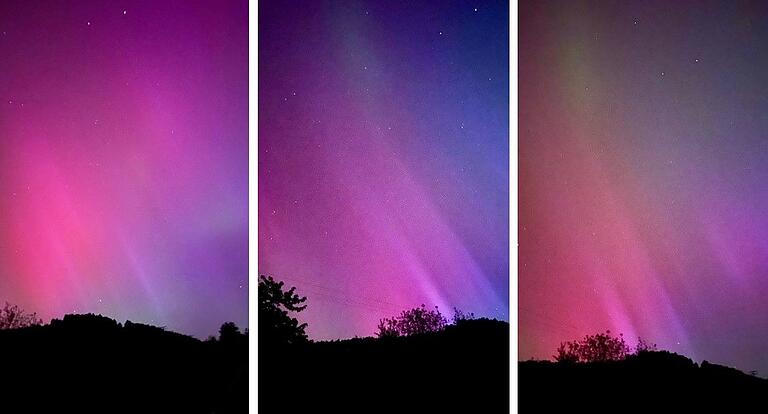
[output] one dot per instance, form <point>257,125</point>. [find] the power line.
<point>342,294</point>
<point>347,301</point>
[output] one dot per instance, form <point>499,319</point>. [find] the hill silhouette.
<point>91,363</point>
<point>651,380</point>
<point>464,366</point>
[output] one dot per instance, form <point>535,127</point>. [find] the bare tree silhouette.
<point>459,316</point>
<point>13,317</point>
<point>643,346</point>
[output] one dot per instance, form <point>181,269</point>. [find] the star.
<point>89,23</point>
<point>124,12</point>
<point>441,33</point>
<point>475,9</point>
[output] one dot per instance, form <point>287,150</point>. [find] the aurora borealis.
<point>383,158</point>
<point>123,160</point>
<point>642,150</point>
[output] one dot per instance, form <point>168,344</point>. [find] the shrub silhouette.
<point>230,335</point>
<point>387,328</point>
<point>276,326</point>
<point>459,316</point>
<point>414,321</point>
<point>13,317</point>
<point>229,331</point>
<point>593,348</point>
<point>643,346</point>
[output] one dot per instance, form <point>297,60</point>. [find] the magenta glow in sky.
<point>643,166</point>
<point>123,160</point>
<point>383,157</point>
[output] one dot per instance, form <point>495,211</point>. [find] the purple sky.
<point>123,160</point>
<point>643,167</point>
<point>383,157</point>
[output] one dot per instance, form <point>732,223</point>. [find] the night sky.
<point>643,139</point>
<point>124,162</point>
<point>384,157</point>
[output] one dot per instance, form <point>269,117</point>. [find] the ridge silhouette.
<point>658,381</point>
<point>417,363</point>
<point>466,365</point>
<point>92,363</point>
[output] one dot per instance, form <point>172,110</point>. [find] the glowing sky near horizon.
<point>643,165</point>
<point>123,160</point>
<point>383,158</point>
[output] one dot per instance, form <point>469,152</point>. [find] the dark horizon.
<point>94,364</point>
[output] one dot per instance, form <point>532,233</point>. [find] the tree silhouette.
<point>414,321</point>
<point>276,326</point>
<point>387,328</point>
<point>643,346</point>
<point>229,332</point>
<point>459,316</point>
<point>593,348</point>
<point>12,317</point>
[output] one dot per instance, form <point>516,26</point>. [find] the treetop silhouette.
<point>593,348</point>
<point>600,347</point>
<point>414,321</point>
<point>276,326</point>
<point>459,316</point>
<point>13,317</point>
